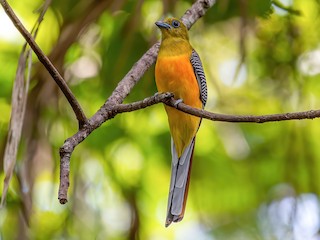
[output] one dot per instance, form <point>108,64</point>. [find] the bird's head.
<point>172,27</point>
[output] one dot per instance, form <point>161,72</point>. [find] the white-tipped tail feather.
<point>179,184</point>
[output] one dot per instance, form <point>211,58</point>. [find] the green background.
<point>249,181</point>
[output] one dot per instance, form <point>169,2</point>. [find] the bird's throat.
<point>174,47</point>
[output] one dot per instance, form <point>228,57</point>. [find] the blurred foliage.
<point>249,181</point>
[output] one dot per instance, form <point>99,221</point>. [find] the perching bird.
<point>179,70</point>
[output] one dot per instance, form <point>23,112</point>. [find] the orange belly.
<point>175,74</point>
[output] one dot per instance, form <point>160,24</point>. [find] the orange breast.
<point>175,74</point>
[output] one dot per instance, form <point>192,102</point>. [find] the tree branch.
<point>82,119</point>
<point>311,114</point>
<point>107,111</point>
<point>167,98</point>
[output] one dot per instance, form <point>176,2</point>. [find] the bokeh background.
<point>249,181</point>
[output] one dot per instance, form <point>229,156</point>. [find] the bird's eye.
<point>175,23</point>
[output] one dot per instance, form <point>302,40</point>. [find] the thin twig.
<point>82,119</point>
<point>285,8</point>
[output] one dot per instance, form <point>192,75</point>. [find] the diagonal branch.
<point>82,119</point>
<point>19,100</point>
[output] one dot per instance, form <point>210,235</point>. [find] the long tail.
<point>179,184</point>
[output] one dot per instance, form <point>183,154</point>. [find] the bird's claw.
<point>177,102</point>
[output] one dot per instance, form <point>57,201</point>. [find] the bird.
<point>179,70</point>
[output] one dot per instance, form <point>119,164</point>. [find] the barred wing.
<point>198,71</point>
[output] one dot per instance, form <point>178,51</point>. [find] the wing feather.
<point>201,78</point>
